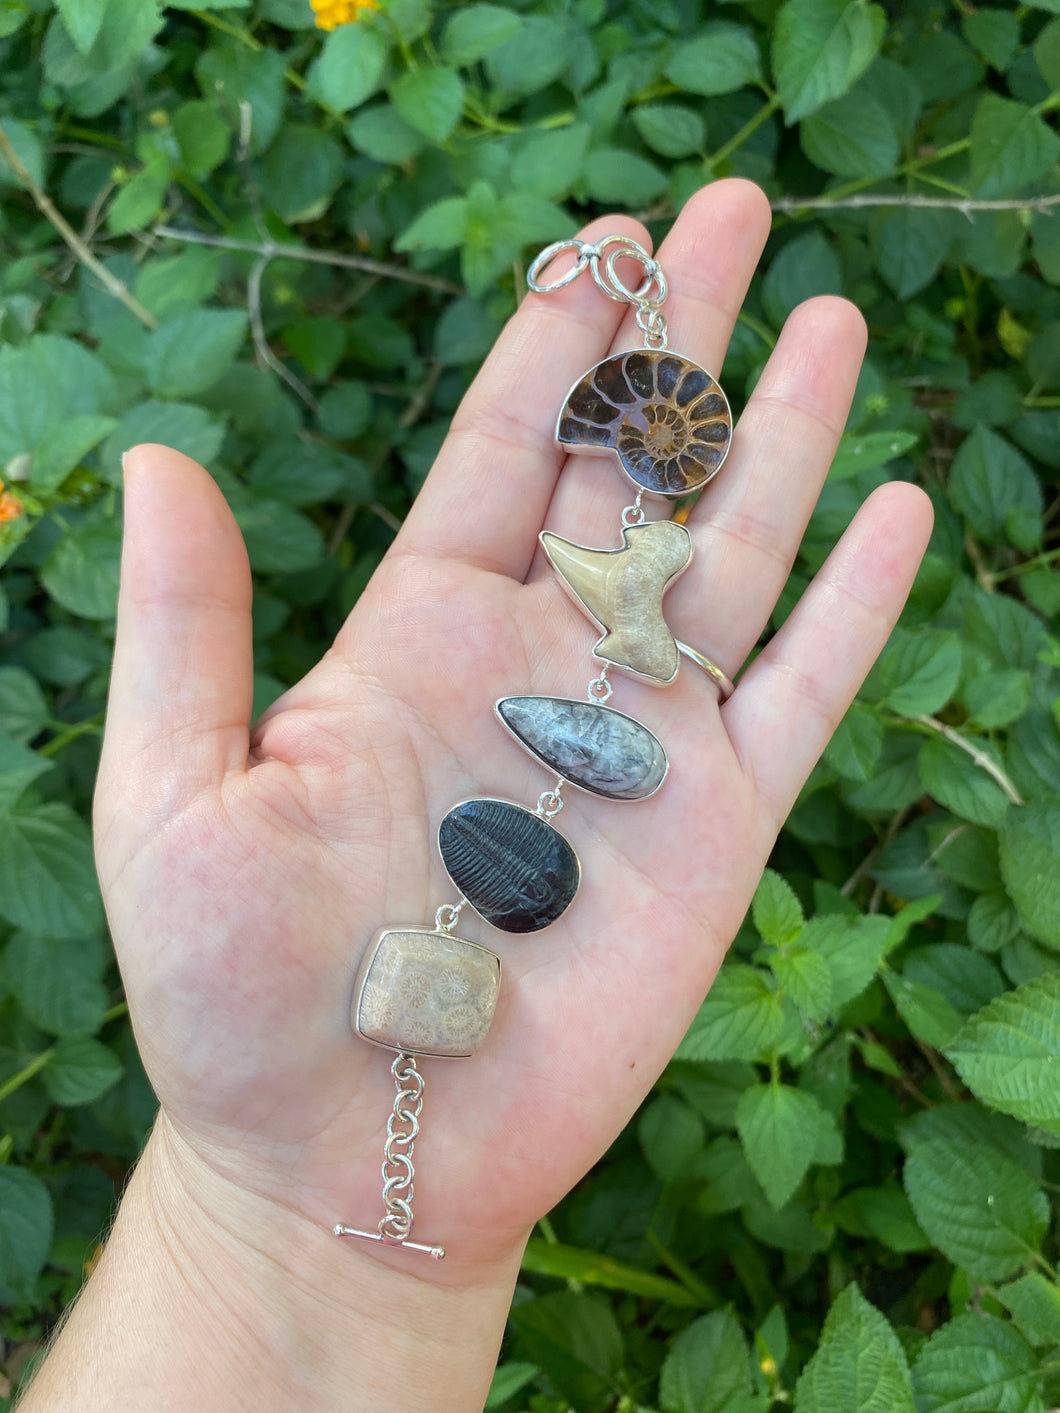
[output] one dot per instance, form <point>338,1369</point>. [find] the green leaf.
<point>882,1212</point>
<point>81,1070</point>
<point>19,767</point>
<point>975,1362</point>
<point>82,19</point>
<point>614,175</point>
<point>28,149</point>
<point>993,922</point>
<point>531,59</point>
<point>806,266</point>
<point>856,744</point>
<point>44,382</point>
<point>62,448</point>
<point>671,1137</point>
<point>349,68</point>
<point>508,1379</point>
<point>202,135</point>
<point>776,911</point>
<point>83,570</point>
<point>978,1206</point>
<point>865,451</point>
<point>549,163</point>
<point>953,778</point>
<point>995,33</point>
<point>741,1019</point>
<point>780,1129</point>
<point>859,1366</point>
<point>239,76</point>
<point>190,353</point>
<point>1047,53</point>
<point>1030,866</point>
<point>988,480</point>
<point>302,171</point>
<point>430,100</point>
<point>721,58</point>
<point>998,697</point>
<point>910,245</point>
<point>669,129</point>
<point>820,49</point>
<point>307,473</point>
<point>967,980</point>
<point>23,710</point>
<point>921,670</point>
<point>383,134</point>
<point>930,1017</point>
<point>576,1340</point>
<point>851,137</point>
<point>476,30</point>
<point>1034,1304</point>
<point>853,947</point>
<point>56,981</point>
<point>1008,1053</point>
<point>26,1226</point>
<point>707,1367</point>
<point>139,201</point>
<point>47,875</point>
<point>805,976</point>
<point>570,1263</point>
<point>440,227</point>
<point>191,430</point>
<point>279,540</point>
<point>1011,146</point>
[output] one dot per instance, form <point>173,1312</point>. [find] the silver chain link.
<point>401,1131</point>
<point>549,802</point>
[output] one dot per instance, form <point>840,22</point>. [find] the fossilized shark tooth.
<point>622,591</point>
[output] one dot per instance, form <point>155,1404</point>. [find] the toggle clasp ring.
<point>602,260</point>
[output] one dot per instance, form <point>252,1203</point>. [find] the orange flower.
<point>10,507</point>
<point>331,13</point>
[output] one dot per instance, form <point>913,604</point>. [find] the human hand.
<point>245,869</point>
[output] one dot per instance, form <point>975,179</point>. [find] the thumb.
<point>178,718</point>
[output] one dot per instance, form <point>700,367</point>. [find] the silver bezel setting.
<point>570,780</point>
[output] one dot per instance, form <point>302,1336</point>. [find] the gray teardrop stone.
<point>510,864</point>
<point>590,745</point>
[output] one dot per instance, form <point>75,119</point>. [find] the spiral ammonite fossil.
<point>665,417</point>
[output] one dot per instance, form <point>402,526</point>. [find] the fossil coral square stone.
<point>426,993</point>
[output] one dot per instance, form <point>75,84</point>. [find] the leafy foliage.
<point>856,1146</point>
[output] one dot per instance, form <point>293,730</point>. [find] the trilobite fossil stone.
<point>591,745</point>
<point>514,869</point>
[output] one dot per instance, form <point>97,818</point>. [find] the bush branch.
<point>51,213</point>
<point>982,760</point>
<point>268,250</point>
<point>966,205</point>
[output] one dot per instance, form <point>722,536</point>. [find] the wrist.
<point>239,1301</point>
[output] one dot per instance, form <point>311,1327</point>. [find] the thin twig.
<point>266,357</point>
<point>411,415</point>
<point>51,212</point>
<point>982,760</point>
<point>271,251</point>
<point>966,205</point>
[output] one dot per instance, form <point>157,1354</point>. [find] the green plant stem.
<point>688,1278</point>
<point>26,1073</point>
<point>738,139</point>
<point>91,726</point>
<point>764,332</point>
<point>1040,561</point>
<point>205,200</point>
<point>116,1012</point>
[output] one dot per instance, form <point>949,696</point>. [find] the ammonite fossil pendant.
<point>665,418</point>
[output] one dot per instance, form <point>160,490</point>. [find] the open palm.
<point>245,870</point>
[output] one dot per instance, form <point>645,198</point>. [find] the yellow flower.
<point>331,13</point>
